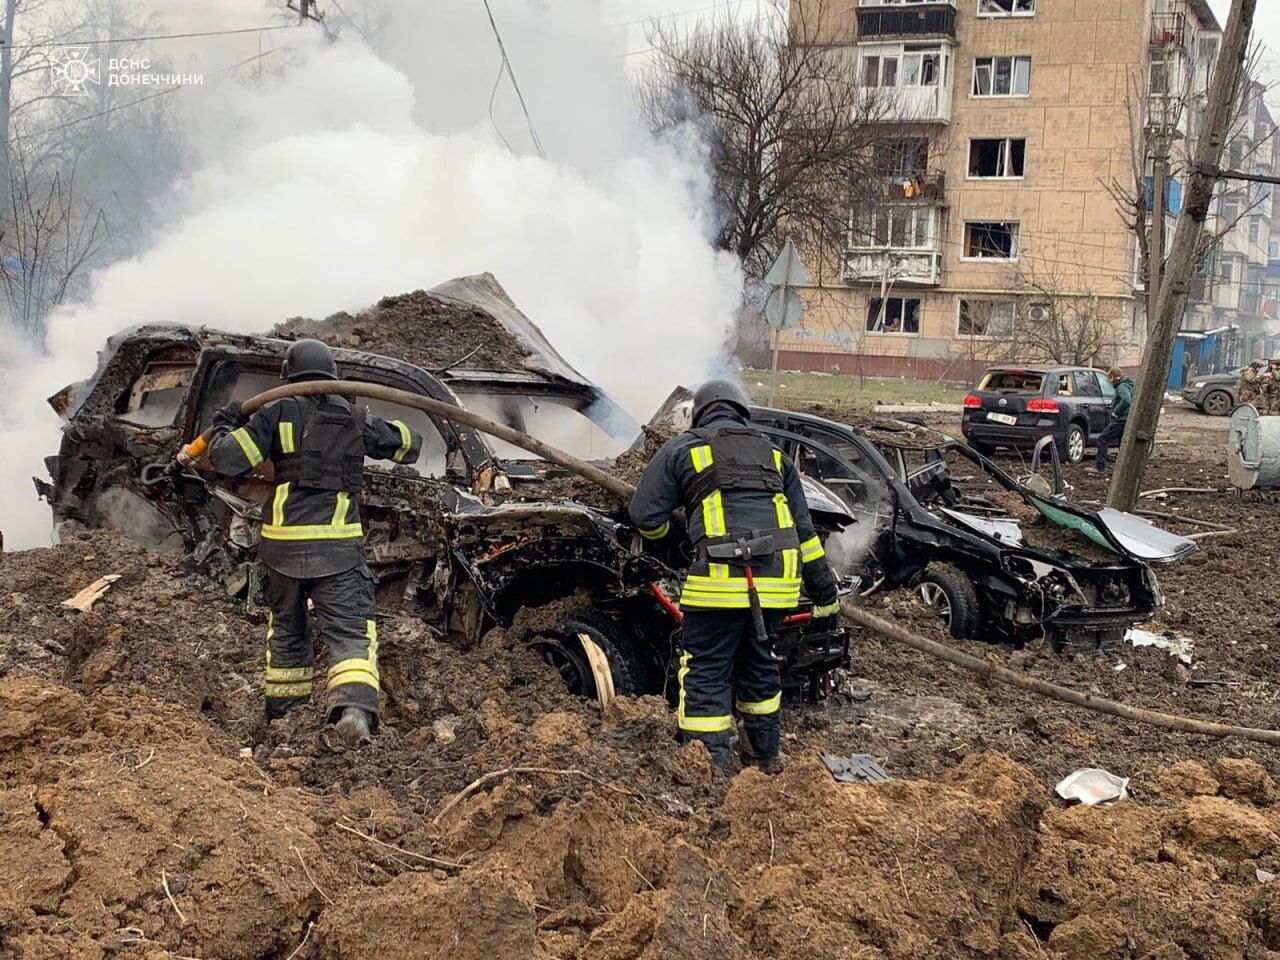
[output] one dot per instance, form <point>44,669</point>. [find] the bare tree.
<point>790,129</point>
<point>75,154</point>
<point>1165,117</point>
<point>1061,322</point>
<point>51,238</point>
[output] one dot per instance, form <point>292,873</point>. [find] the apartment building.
<point>1012,120</point>
<point>1240,325</point>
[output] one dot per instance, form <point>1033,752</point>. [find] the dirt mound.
<point>146,810</point>
<point>420,328</point>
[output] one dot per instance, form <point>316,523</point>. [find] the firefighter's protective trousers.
<point>342,605</point>
<point>312,544</point>
<point>734,485</point>
<point>723,668</point>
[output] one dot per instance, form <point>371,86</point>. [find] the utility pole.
<point>1157,354</point>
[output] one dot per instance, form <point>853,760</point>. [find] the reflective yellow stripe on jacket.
<point>720,590</point>
<point>406,440</point>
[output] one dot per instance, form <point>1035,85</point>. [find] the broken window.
<point>156,397</point>
<point>903,157</point>
<point>986,318</point>
<point>1086,384</point>
<point>1012,381</point>
<point>1006,8</point>
<point>1001,76</point>
<point>552,419</point>
<point>893,315</point>
<point>1004,157</point>
<point>991,240</point>
<point>921,69</point>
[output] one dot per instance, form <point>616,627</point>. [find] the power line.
<point>676,13</point>
<point>506,63</point>
<point>160,36</point>
<point>703,32</point>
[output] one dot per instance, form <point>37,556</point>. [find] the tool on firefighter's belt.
<point>740,553</point>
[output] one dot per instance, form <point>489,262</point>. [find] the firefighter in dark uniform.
<point>741,495</point>
<point>312,543</point>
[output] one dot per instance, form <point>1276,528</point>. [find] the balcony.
<point>906,104</point>
<point>930,187</point>
<point>888,21</point>
<point>1169,31</point>
<point>900,267</point>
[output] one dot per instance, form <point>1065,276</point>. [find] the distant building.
<point>1012,121</point>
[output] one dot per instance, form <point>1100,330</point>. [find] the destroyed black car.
<point>995,557</point>
<point>451,536</point>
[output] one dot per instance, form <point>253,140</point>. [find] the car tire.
<point>1073,443</point>
<point>1217,403</point>
<point>950,593</point>
<point>564,651</point>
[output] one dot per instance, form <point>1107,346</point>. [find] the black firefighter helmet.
<point>720,391</point>
<point>308,360</point>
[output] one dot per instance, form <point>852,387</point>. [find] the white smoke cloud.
<point>355,176</point>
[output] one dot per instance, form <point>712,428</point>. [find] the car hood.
<point>1123,533</point>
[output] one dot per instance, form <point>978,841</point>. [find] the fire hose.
<point>863,618</point>
<point>440,408</point>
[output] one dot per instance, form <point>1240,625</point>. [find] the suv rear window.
<point>1010,381</point>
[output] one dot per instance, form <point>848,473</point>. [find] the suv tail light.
<point>972,402</point>
<point>1042,405</point>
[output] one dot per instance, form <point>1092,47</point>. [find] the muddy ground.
<point>146,811</point>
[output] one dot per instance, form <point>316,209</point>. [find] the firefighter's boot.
<point>355,725</point>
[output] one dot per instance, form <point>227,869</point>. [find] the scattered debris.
<point>86,598</point>
<point>1177,647</point>
<point>1092,786</point>
<point>856,768</point>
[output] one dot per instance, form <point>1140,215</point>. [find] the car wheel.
<point>1074,443</point>
<point>564,651</point>
<point>949,593</point>
<point>1217,403</point>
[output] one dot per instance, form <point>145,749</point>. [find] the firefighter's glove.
<point>822,610</point>
<point>230,416</point>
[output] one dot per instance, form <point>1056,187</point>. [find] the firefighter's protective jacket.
<point>317,445</point>
<point>754,490</point>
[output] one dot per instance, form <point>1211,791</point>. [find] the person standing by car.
<point>754,543</point>
<point>1113,432</point>
<point>312,540</point>
<point>1250,390</point>
<point>1269,385</point>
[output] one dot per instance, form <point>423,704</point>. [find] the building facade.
<point>1016,125</point>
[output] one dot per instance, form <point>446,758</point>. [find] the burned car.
<point>454,537</point>
<point>996,558</point>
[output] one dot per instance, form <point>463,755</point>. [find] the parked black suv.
<point>1016,406</point>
